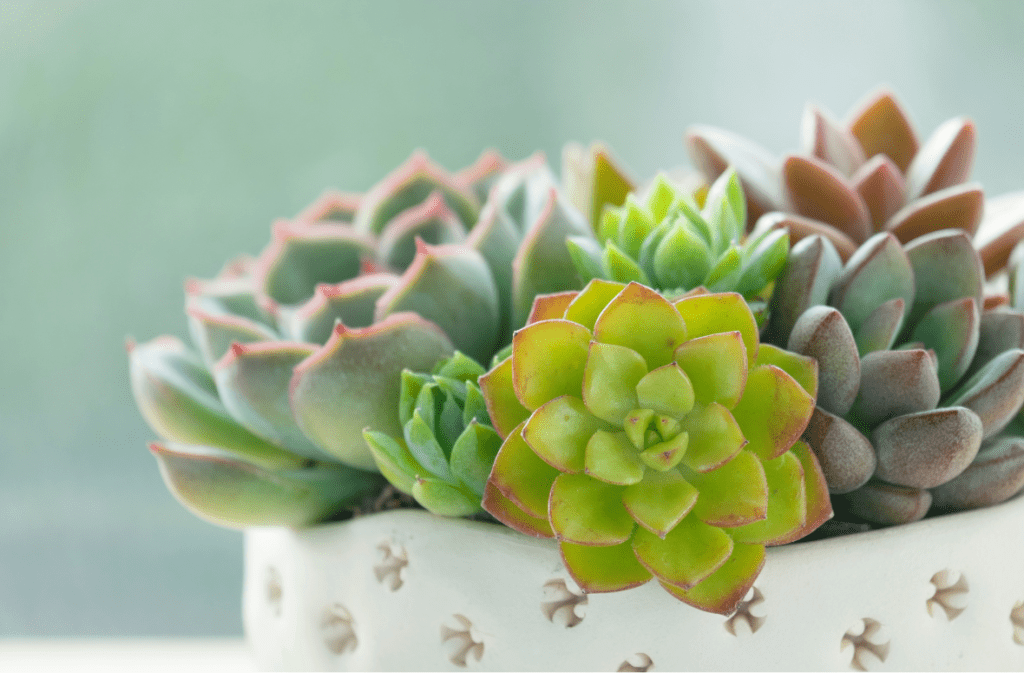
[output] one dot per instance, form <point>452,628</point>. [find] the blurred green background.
<point>141,143</point>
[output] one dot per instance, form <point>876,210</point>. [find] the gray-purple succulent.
<point>302,348</point>
<point>870,174</point>
<point>919,383</point>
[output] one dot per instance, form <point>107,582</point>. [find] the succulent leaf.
<point>227,490</point>
<point>820,192</point>
<point>889,504</point>
<point>928,448</point>
<point>995,475</point>
<point>944,160</point>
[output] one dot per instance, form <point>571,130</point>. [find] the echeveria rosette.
<point>654,439</point>
<point>665,241</point>
<point>867,175</point>
<point>447,445</point>
<point>918,380</point>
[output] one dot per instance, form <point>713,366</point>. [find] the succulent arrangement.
<point>672,386</point>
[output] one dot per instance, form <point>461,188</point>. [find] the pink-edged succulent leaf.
<point>713,150</point>
<point>587,511</point>
<point>613,459</point>
<point>542,263</point>
<point>846,457</point>
<point>706,314</point>
<point>510,514</point>
<point>957,207</point>
<point>995,392</point>
<point>602,569</point>
<point>302,255</point>
<point>220,487</point>
<point>1000,230</point>
<point>721,591</point>
<point>593,180</point>
<point>889,504</point>
<point>823,333</point>
<point>880,183</point>
<point>894,383</point>
<point>635,305</point>
<point>881,126</point>
<point>451,286</point>
<point>879,271</point>
<point>331,206</point>
<point>178,398</point>
<point>253,384</point>
<point>548,360</point>
<point>786,515</point>
<point>431,221</point>
<point>944,160</point>
<point>353,382</point>
<point>811,271</point>
<point>818,191</point>
<point>928,448</point>
<point>690,552</point>
<point>213,333</point>
<point>352,302</point>
<point>995,475</point>
<point>734,494</point>
<point>951,329</point>
<point>823,137</point>
<point>231,296</point>
<point>408,186</point>
<point>773,412</point>
<point>503,407</point>
<point>481,175</point>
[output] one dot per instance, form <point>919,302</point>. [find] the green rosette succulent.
<point>869,174</point>
<point>447,446</point>
<point>654,439</point>
<point>919,381</point>
<point>666,241</point>
<point>303,347</point>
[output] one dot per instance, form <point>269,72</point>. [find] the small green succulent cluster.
<point>665,241</point>
<point>447,445</point>
<point>303,347</point>
<point>667,451</point>
<point>919,381</point>
<point>868,175</point>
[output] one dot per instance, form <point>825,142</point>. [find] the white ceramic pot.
<point>406,590</point>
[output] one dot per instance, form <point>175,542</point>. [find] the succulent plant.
<point>447,445</point>
<point>654,439</point>
<point>868,175</point>
<point>918,382</point>
<point>663,240</point>
<point>303,347</point>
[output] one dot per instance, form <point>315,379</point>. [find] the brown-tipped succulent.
<point>664,240</point>
<point>919,383</point>
<point>302,348</point>
<point>447,446</point>
<point>868,175</point>
<point>654,439</point>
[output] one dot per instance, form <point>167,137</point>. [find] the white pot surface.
<point>406,590</point>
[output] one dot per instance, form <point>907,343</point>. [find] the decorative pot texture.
<point>406,590</point>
